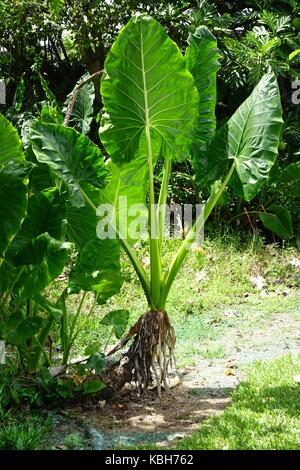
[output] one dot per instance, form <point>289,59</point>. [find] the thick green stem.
<point>140,271</point>
<point>162,201</point>
<point>190,238</point>
<point>155,262</point>
<point>212,201</point>
<point>39,347</point>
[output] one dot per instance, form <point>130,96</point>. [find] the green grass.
<point>22,432</point>
<point>213,353</point>
<point>74,441</point>
<point>264,414</point>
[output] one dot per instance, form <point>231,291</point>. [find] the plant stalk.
<point>190,238</point>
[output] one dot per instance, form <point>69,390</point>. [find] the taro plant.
<point>159,104</point>
<point>33,252</point>
<point>36,218</point>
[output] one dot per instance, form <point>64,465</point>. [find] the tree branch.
<point>74,95</point>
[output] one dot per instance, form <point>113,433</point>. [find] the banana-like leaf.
<point>13,201</point>
<point>71,156</point>
<point>10,144</point>
<point>146,87</point>
<point>278,219</point>
<point>250,138</point>
<point>202,57</point>
<point>45,258</point>
<point>46,213</point>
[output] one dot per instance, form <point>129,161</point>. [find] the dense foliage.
<point>49,45</point>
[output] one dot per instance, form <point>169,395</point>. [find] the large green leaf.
<point>44,258</point>
<point>250,138</point>
<point>146,87</point>
<point>15,329</point>
<point>82,112</point>
<point>202,61</point>
<point>255,147</point>
<point>82,224</point>
<point>8,275</point>
<point>40,176</point>
<point>98,263</point>
<point>291,176</point>
<point>97,269</point>
<point>46,213</point>
<point>13,201</point>
<point>125,196</point>
<point>10,144</point>
<point>278,219</point>
<point>118,319</point>
<point>71,156</point>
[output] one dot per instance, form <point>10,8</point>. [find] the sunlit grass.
<point>264,414</point>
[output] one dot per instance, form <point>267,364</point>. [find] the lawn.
<point>264,414</point>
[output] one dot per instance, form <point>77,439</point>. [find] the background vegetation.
<point>49,45</point>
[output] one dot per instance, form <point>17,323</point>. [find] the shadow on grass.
<point>264,413</point>
<point>284,398</point>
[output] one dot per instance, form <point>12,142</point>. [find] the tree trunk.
<point>94,61</point>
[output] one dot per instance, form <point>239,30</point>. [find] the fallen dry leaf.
<point>118,406</point>
<point>79,379</point>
